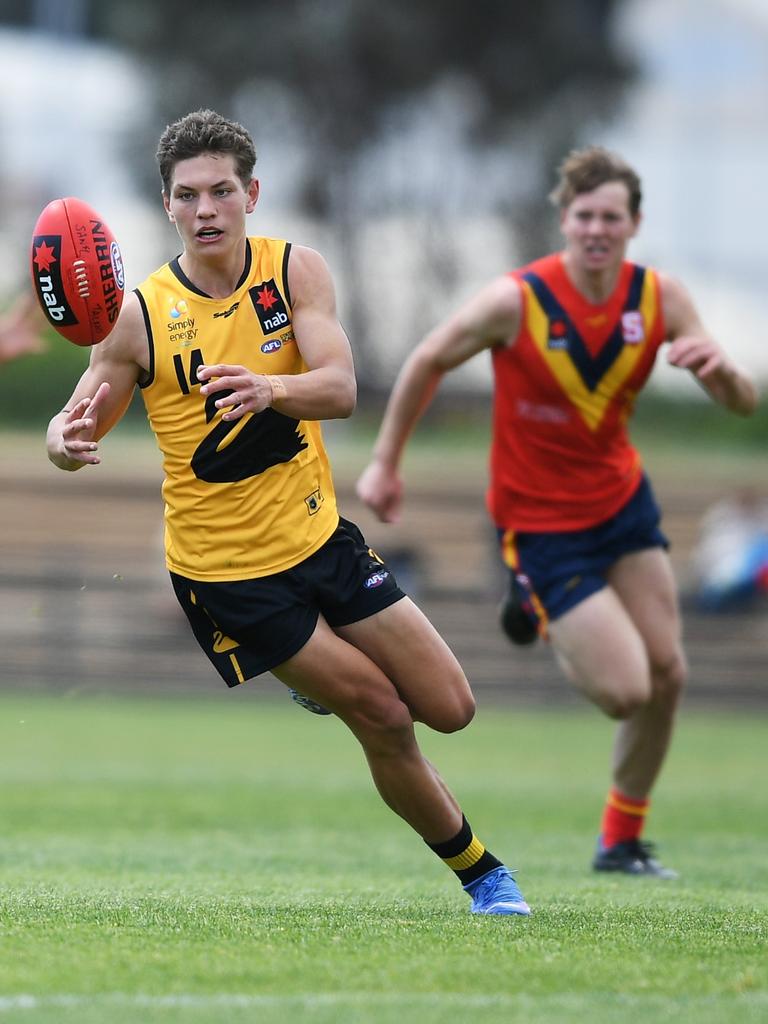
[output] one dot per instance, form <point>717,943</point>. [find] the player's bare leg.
<point>600,650</point>
<point>646,587</point>
<point>609,647</point>
<point>406,646</point>
<point>335,673</point>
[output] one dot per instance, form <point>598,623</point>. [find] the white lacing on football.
<point>81,278</point>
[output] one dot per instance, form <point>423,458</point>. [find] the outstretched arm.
<point>102,394</point>
<point>328,389</point>
<point>489,318</point>
<point>692,348</point>
<point>21,329</point>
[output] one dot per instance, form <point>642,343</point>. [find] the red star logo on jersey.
<point>267,298</point>
<point>44,256</point>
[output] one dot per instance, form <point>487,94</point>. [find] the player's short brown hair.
<point>584,170</point>
<point>204,131</point>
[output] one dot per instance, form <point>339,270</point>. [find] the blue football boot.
<point>497,893</point>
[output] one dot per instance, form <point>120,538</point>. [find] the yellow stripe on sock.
<point>633,809</point>
<point>470,856</point>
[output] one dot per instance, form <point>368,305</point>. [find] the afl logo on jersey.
<point>271,346</point>
<point>269,306</point>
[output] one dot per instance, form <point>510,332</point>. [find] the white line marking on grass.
<point>318,1000</point>
<point>250,1000</point>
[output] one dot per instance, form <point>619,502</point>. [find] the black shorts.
<point>247,627</point>
<point>558,570</point>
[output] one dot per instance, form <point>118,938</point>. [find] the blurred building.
<point>694,125</point>
<point>65,132</point>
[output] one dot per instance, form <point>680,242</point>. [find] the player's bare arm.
<point>328,389</point>
<point>489,318</point>
<point>692,348</point>
<point>102,394</point>
<point>21,329</point>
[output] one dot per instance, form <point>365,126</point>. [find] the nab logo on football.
<point>46,265</point>
<point>269,306</point>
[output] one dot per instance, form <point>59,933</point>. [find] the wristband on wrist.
<point>278,388</point>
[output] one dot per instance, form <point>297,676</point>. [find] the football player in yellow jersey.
<point>299,592</point>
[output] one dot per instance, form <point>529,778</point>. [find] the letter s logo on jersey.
<point>269,305</point>
<point>632,327</point>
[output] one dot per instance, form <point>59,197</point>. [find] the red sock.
<point>623,818</point>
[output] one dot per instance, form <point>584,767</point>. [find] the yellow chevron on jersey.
<point>244,498</point>
<point>592,403</point>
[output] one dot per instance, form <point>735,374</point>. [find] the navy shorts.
<point>560,569</point>
<point>247,627</point>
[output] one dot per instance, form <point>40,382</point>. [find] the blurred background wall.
<point>415,145</point>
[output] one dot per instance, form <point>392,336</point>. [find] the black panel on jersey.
<point>267,439</point>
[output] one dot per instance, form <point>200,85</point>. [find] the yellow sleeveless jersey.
<point>249,497</point>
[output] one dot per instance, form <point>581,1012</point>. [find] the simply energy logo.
<point>181,327</point>
<point>177,310</point>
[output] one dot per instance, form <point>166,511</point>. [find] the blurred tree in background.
<point>428,114</point>
<point>363,87</point>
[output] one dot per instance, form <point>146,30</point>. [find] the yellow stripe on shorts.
<point>236,667</point>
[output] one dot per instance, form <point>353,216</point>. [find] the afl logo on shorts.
<point>376,579</point>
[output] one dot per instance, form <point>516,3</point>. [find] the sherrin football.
<point>77,271</point>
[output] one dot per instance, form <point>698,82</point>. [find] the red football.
<point>77,271</point>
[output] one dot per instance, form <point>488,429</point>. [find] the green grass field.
<point>227,860</point>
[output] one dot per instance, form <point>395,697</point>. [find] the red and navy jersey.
<point>565,387</point>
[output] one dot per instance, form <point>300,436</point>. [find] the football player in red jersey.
<point>573,338</point>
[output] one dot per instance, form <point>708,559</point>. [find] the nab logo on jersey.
<point>558,335</point>
<point>269,306</point>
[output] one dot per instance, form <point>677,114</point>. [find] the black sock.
<point>466,855</point>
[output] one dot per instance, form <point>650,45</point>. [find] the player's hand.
<point>707,362</point>
<point>19,339</point>
<point>242,390</point>
<point>699,354</point>
<point>79,428</point>
<point>381,489</point>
